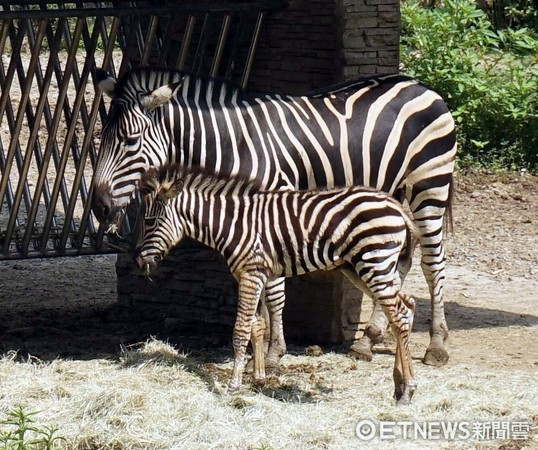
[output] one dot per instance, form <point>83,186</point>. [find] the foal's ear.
<point>105,82</point>
<point>171,190</point>
<point>159,96</point>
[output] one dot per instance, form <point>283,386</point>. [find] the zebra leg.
<point>430,222</point>
<point>275,297</point>
<point>258,350</point>
<point>373,333</point>
<point>399,309</point>
<point>251,285</point>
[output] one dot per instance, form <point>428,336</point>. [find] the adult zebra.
<point>267,234</point>
<point>388,132</point>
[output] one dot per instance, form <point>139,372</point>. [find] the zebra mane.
<point>143,80</point>
<point>195,179</point>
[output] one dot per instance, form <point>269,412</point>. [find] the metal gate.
<point>50,115</point>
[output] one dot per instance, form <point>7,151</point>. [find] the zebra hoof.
<point>361,351</point>
<point>234,387</point>
<point>435,356</point>
<point>272,363</point>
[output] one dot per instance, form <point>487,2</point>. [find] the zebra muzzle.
<point>146,264</point>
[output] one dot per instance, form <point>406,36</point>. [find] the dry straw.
<point>154,397</point>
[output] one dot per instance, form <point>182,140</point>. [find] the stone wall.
<point>315,43</point>
<point>198,292</point>
<point>311,44</point>
<point>370,37</point>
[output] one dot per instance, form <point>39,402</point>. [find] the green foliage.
<point>522,13</point>
<point>488,78</point>
<point>23,435</point>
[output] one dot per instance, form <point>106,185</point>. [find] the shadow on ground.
<point>88,332</point>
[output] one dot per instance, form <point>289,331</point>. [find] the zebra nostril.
<point>158,258</point>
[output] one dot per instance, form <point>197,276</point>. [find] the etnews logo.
<point>367,430</point>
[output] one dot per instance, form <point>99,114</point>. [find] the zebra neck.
<point>220,128</point>
<point>211,218</point>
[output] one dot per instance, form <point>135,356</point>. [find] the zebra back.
<point>292,232</point>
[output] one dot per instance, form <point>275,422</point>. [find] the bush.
<point>488,78</point>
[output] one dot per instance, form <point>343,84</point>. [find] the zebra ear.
<point>159,96</point>
<point>105,82</point>
<point>171,190</point>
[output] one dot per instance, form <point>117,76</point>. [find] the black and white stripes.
<point>388,132</point>
<point>267,234</point>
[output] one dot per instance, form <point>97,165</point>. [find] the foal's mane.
<point>195,178</point>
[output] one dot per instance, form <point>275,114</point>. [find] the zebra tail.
<point>411,237</point>
<point>449,217</point>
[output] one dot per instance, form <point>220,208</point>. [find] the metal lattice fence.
<point>50,114</point>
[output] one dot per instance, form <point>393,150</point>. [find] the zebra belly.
<point>300,266</point>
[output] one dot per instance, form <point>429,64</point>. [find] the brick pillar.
<point>313,43</point>
<point>370,37</point>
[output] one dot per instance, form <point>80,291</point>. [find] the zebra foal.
<point>264,235</point>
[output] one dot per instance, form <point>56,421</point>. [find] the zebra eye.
<point>131,141</point>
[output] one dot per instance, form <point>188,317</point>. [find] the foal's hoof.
<point>361,351</point>
<point>404,393</point>
<point>435,356</point>
<point>405,399</point>
<point>258,382</point>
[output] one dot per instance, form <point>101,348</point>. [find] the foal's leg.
<point>374,332</point>
<point>399,309</point>
<point>275,297</point>
<point>361,349</point>
<point>251,285</point>
<point>258,350</point>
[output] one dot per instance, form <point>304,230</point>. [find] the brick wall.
<point>370,37</point>
<point>321,42</point>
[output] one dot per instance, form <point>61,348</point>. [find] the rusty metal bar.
<point>33,146</point>
<point>4,101</point>
<point>186,42</point>
<point>201,47</point>
<point>150,36</point>
<point>109,39</point>
<point>75,150</point>
<point>221,44</point>
<point>165,43</point>
<point>43,84</point>
<point>235,47</point>
<point>252,51</point>
<point>133,30</point>
<point>7,80</point>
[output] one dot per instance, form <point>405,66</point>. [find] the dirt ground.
<point>66,306</point>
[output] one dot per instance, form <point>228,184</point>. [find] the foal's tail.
<point>411,238</point>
